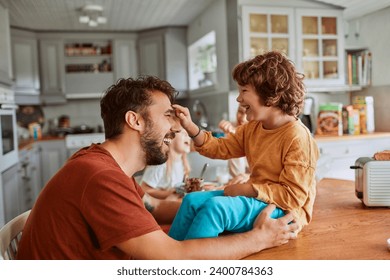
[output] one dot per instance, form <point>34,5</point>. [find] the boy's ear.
<point>133,120</point>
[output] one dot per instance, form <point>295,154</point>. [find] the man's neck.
<point>128,156</point>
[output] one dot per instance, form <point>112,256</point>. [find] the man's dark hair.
<point>130,95</point>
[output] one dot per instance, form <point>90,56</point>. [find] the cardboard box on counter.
<point>329,121</point>
<point>351,120</point>
<point>365,106</point>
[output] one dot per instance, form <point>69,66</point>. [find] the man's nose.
<point>175,125</point>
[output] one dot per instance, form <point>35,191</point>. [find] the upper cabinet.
<point>266,28</point>
<point>312,38</point>
<point>88,67</point>
<point>25,67</point>
<point>163,53</point>
<point>82,65</point>
<point>5,48</point>
<point>52,70</point>
<point>320,46</point>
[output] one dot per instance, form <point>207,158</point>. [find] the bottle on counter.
<point>35,130</point>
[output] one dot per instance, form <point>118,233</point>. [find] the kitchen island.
<point>342,229</point>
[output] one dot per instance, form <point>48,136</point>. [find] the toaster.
<point>372,181</point>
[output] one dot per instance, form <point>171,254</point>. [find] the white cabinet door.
<point>53,157</point>
<point>151,53</point>
<point>25,65</point>
<point>266,28</point>
<point>10,193</point>
<point>312,38</point>
<point>5,48</point>
<point>125,59</point>
<point>320,46</point>
<point>52,69</point>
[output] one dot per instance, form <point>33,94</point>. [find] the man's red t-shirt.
<point>87,208</point>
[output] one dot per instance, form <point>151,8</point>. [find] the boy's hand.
<point>184,117</point>
<point>226,126</point>
<point>240,189</point>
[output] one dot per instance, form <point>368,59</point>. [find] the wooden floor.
<point>342,229</point>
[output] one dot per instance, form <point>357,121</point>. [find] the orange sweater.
<point>282,163</point>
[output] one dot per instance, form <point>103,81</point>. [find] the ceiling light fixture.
<point>92,15</point>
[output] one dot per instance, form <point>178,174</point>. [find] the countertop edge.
<point>374,135</point>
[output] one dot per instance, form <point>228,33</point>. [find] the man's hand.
<point>275,232</point>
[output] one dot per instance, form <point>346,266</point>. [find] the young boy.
<point>281,153</point>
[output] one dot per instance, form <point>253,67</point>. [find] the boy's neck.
<point>278,120</point>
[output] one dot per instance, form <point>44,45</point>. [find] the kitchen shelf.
<point>88,57</point>
<point>333,89</point>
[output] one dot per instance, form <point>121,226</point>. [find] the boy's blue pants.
<point>207,214</point>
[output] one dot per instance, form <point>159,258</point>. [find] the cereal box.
<point>329,120</point>
<point>365,106</point>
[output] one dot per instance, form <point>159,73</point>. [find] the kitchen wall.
<point>79,111</point>
<point>373,30</point>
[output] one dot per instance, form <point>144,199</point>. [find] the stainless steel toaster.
<point>372,181</point>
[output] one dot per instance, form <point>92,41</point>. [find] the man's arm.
<point>266,233</point>
<point>157,193</point>
<point>164,211</point>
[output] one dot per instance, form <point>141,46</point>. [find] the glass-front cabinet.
<point>320,46</point>
<point>312,38</point>
<point>266,29</point>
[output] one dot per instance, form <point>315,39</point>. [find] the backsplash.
<point>79,112</point>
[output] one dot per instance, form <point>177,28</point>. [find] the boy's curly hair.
<point>275,80</point>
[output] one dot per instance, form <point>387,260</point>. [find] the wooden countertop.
<point>24,144</point>
<point>342,229</point>
<point>324,138</point>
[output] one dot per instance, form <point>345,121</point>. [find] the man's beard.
<point>151,145</point>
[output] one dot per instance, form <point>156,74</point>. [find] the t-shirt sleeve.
<point>113,208</point>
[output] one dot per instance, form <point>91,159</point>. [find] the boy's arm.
<point>194,131</point>
<point>205,144</point>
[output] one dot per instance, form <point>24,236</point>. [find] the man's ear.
<point>133,120</point>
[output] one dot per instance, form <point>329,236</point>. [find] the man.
<point>93,208</point>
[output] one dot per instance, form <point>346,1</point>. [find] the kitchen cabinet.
<point>338,154</point>
<point>84,65</point>
<point>163,53</point>
<point>29,176</point>
<point>53,157</point>
<point>52,70</point>
<point>25,67</point>
<point>125,58</point>
<point>5,48</point>
<point>312,38</point>
<point>88,67</point>
<point>10,193</point>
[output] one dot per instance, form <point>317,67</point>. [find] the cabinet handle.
<point>26,178</point>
